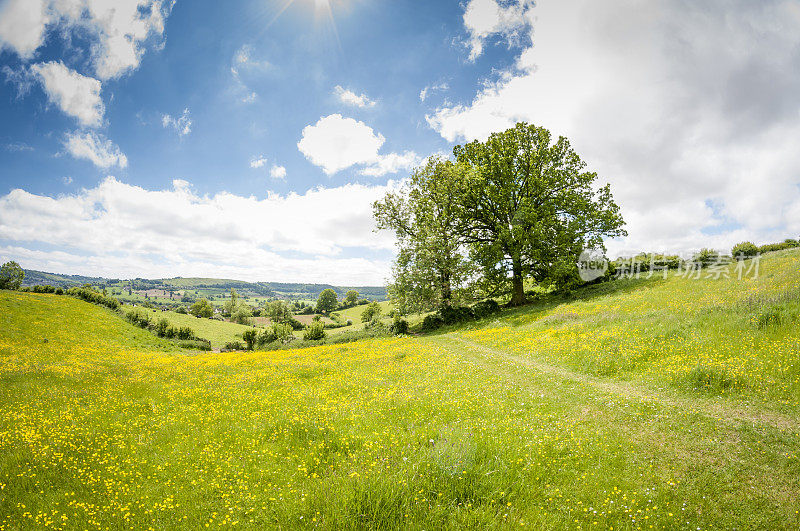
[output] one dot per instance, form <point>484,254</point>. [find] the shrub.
<point>706,257</point>
<point>314,332</point>
<point>59,291</point>
<point>89,294</point>
<point>138,317</point>
<point>432,322</point>
<point>234,345</point>
<point>161,327</point>
<point>371,312</point>
<point>181,310</point>
<point>485,308</point>
<point>250,337</point>
<point>399,325</point>
<point>282,332</point>
<point>196,344</point>
<point>185,333</point>
<point>266,337</point>
<point>744,250</point>
<point>43,289</point>
<point>455,314</point>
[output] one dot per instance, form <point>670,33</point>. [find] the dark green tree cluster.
<point>518,207</point>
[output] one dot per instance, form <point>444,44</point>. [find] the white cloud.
<point>277,172</point>
<point>22,26</point>
<point>335,143</point>
<point>117,29</point>
<point>75,94</point>
<point>690,110</point>
<point>349,97</point>
<point>258,162</point>
<point>392,163</point>
<point>96,148</point>
<point>484,18</point>
<point>424,93</point>
<point>181,124</point>
<point>121,230</point>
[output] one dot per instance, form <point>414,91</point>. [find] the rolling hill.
<point>629,404</point>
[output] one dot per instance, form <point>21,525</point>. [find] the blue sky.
<point>244,140</point>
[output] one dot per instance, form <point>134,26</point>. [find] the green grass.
<point>631,405</point>
<point>218,332</point>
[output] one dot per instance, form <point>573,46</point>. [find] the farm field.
<point>218,332</point>
<point>640,404</point>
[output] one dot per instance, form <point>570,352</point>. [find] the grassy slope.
<point>524,420</point>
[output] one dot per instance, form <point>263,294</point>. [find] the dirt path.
<point>719,409</point>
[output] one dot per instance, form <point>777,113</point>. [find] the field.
<point>633,405</point>
<point>218,332</point>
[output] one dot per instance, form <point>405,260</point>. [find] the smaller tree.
<point>249,337</point>
<point>315,331</point>
<point>202,308</point>
<point>327,301</point>
<point>351,298</point>
<point>371,313</point>
<point>11,276</point>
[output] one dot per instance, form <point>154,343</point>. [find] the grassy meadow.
<point>643,404</point>
<point>218,332</point>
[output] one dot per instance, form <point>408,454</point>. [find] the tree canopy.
<point>327,301</point>
<point>11,276</point>
<point>517,206</point>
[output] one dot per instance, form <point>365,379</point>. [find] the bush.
<point>196,344</point>
<point>399,325</point>
<point>371,312</point>
<point>250,337</point>
<point>43,289</point>
<point>138,317</point>
<point>161,327</point>
<point>234,345</point>
<point>185,333</point>
<point>181,310</point>
<point>266,337</point>
<point>89,294</point>
<point>432,322</point>
<point>59,291</point>
<point>706,257</point>
<point>314,332</point>
<point>485,308</point>
<point>455,314</point>
<point>744,250</point>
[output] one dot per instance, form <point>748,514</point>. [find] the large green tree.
<point>11,276</point>
<point>427,216</point>
<point>202,308</point>
<point>327,301</point>
<point>530,208</point>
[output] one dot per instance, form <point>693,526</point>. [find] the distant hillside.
<point>205,286</point>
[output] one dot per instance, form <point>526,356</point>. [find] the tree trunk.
<point>518,293</point>
<point>447,293</point>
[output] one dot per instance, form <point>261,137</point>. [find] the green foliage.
<point>431,322</point>
<point>242,314</point>
<point>706,257</point>
<point>327,301</point>
<point>399,325</point>
<point>744,250</point>
<point>485,308</point>
<point>426,215</point>
<point>774,316</point>
<point>281,332</point>
<point>531,209</point>
<point>314,332</point>
<point>89,294</point>
<point>11,276</point>
<point>202,308</point>
<point>181,310</point>
<point>139,317</point>
<point>455,314</point>
<point>351,298</point>
<point>250,337</point>
<point>234,345</point>
<point>371,313</point>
